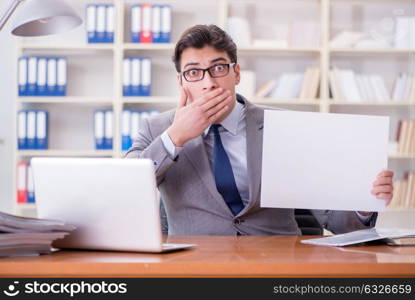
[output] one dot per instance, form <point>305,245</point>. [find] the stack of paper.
<point>27,236</point>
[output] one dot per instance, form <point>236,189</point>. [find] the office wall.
<point>7,75</point>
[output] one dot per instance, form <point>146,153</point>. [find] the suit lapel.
<point>254,139</point>
<point>195,152</point>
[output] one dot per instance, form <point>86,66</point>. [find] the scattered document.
<point>389,236</point>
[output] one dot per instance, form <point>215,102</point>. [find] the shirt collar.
<point>232,120</point>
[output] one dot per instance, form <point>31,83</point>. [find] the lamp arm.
<point>9,12</point>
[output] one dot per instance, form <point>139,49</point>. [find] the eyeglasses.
<point>215,71</point>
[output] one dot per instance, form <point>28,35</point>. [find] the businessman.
<point>208,151</point>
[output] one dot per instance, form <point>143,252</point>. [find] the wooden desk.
<point>221,256</point>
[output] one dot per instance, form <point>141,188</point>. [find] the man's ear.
<point>237,70</point>
<point>179,80</point>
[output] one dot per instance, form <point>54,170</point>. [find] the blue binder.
<point>31,130</point>
<point>42,129</point>
<point>22,130</point>
<point>30,185</point>
<point>156,23</point>
<point>61,77</point>
<point>108,136</point>
<point>127,77</point>
<point>91,23</point>
<point>23,75</point>
<point>109,24</point>
<point>136,23</point>
<point>99,127</point>
<point>41,86</point>
<point>101,13</point>
<point>166,24</point>
<point>126,130</point>
<point>52,71</point>
<point>135,76</point>
<point>32,76</point>
<point>145,82</point>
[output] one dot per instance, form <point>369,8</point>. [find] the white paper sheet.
<point>322,160</point>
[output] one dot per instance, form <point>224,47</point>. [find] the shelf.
<point>151,100</point>
<point>63,47</point>
<point>153,46</point>
<point>271,101</point>
<point>73,153</point>
<point>371,103</point>
<point>401,156</point>
<point>26,205</point>
<point>372,51</point>
<point>279,49</point>
<point>65,100</point>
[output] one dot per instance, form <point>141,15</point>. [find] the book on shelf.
<point>42,76</point>
<point>136,76</point>
<point>132,121</point>
<point>404,192</point>
<point>21,236</point>
<point>25,184</point>
<point>292,85</point>
<point>33,130</point>
<point>406,136</point>
<point>404,88</point>
<point>103,129</point>
<point>151,23</point>
<point>404,33</point>
<point>100,23</point>
<point>346,85</point>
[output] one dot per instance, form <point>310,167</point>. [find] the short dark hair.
<point>200,36</point>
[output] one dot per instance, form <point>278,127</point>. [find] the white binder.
<point>31,129</point>
<point>41,130</point>
<point>52,75</point>
<point>30,185</point>
<point>166,25</point>
<point>62,73</point>
<point>22,78</point>
<point>126,77</point>
<point>101,12</point>
<point>156,23</point>
<point>136,24</point>
<point>22,130</point>
<point>126,130</point>
<point>135,77</point>
<point>108,129</point>
<point>109,26</point>
<point>41,76</point>
<point>91,23</point>
<point>32,76</point>
<point>99,129</point>
<point>135,125</point>
<point>146,76</point>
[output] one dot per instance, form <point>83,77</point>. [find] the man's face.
<point>193,58</point>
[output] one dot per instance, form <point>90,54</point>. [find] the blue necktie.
<point>225,181</point>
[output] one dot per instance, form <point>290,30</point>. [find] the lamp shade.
<point>44,17</point>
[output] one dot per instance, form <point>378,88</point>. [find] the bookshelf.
<point>95,70</point>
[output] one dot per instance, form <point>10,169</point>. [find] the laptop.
<point>113,203</point>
